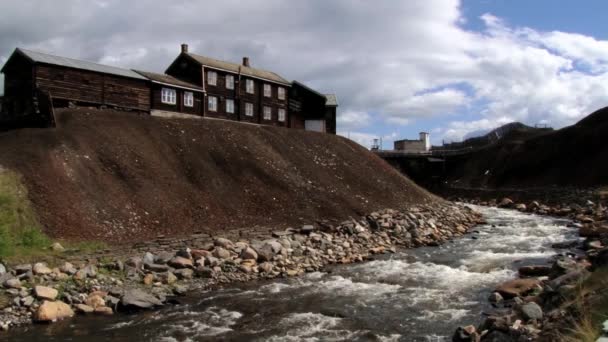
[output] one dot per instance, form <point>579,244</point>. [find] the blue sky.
<point>587,18</point>
<point>448,67</point>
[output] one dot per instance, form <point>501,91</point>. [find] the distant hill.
<point>119,176</point>
<point>576,155</point>
<point>478,139</point>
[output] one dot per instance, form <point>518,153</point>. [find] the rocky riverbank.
<point>548,302</point>
<point>45,293</point>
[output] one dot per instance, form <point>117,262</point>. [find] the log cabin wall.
<point>18,87</point>
<point>179,105</point>
<point>92,87</point>
<point>222,94</point>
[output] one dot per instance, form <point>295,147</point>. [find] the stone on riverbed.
<point>532,311</point>
<point>84,309</point>
<point>12,283</point>
<point>53,311</point>
<point>43,292</point>
<point>2,269</point>
<point>534,271</point>
<point>138,299</point>
<point>517,287</point>
<point>181,262</point>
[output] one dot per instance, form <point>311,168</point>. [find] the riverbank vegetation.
<point>20,231</point>
<point>591,303</point>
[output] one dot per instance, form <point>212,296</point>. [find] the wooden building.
<point>235,91</point>
<point>192,86</point>
<point>69,80</point>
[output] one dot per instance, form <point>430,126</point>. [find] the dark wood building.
<point>235,91</point>
<point>192,86</point>
<point>69,80</point>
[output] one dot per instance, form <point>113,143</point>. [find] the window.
<point>229,106</point>
<point>212,103</point>
<point>281,114</point>
<point>267,90</point>
<point>249,86</point>
<point>211,77</point>
<point>249,109</point>
<point>267,113</point>
<point>229,82</point>
<point>188,99</point>
<point>167,95</point>
<point>281,93</point>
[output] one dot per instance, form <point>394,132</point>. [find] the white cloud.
<point>392,63</point>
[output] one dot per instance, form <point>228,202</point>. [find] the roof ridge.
<point>74,59</point>
<point>237,65</point>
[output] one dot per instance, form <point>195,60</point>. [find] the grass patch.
<point>20,230</point>
<point>591,303</point>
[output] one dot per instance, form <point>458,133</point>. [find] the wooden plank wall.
<point>92,87</point>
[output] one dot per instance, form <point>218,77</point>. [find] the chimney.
<point>246,61</point>
<point>184,48</point>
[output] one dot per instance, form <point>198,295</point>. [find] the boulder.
<point>534,271</point>
<point>95,301</point>
<point>168,278</point>
<point>148,258</point>
<point>495,298</point>
<point>135,262</point>
<point>184,273</point>
<point>57,247</point>
<point>43,292</point>
<point>2,269</point>
<point>531,311</point>
<point>224,243</point>
<point>505,203</point>
<point>184,253</point>
<point>267,250</point>
<point>199,253</point>
<point>21,269</point>
<point>163,257</point>
<point>149,279</point>
<point>41,269</point>
<point>517,287</point>
<point>12,283</point>
<point>181,262</point>
<point>157,267</point>
<point>68,268</point>
<point>138,299</point>
<point>466,334</point>
<point>521,207</point>
<point>249,253</point>
<point>221,253</point>
<point>53,311</point>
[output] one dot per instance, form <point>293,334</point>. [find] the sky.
<point>447,67</point>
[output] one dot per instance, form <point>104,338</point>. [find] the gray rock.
<point>249,253</point>
<point>495,298</point>
<point>157,267</point>
<point>27,301</point>
<point>184,273</point>
<point>41,268</point>
<point>68,268</point>
<point>221,253</point>
<point>181,262</point>
<point>532,311</point>
<point>163,257</point>
<point>307,229</point>
<point>12,283</point>
<point>2,269</point>
<point>138,299</point>
<point>180,290</point>
<point>57,247</point>
<point>148,258</point>
<point>184,253</point>
<point>225,243</point>
<point>21,269</point>
<point>135,262</point>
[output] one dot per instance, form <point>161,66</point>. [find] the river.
<point>418,294</point>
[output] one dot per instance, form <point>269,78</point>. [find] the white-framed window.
<point>267,113</point>
<point>249,109</point>
<point>212,103</point>
<point>229,82</point>
<point>229,106</point>
<point>188,99</point>
<point>211,77</point>
<point>249,86</point>
<point>281,93</point>
<point>267,90</point>
<point>282,114</point>
<point>168,96</point>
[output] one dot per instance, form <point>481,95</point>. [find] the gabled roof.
<point>309,89</point>
<point>39,57</point>
<point>236,68</point>
<point>332,100</point>
<point>169,80</point>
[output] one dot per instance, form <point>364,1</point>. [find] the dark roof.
<point>39,57</point>
<point>332,100</point>
<point>236,68</point>
<point>170,80</point>
<point>309,89</point>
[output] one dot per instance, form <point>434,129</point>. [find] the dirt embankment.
<point>124,177</point>
<point>574,156</point>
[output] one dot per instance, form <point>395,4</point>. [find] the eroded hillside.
<point>124,177</point>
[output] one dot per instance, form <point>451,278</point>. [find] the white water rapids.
<point>415,295</point>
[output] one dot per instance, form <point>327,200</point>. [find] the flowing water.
<point>415,295</point>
